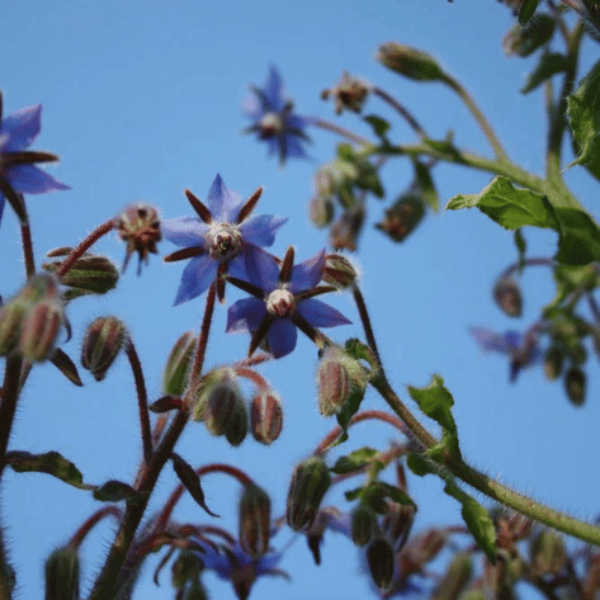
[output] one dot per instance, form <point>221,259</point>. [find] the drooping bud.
<point>139,226</point>
<point>425,547</point>
<point>344,233</point>
<point>349,93</point>
<point>62,574</point>
<point>403,217</point>
<point>363,525</point>
<point>553,363</point>
<point>397,524</point>
<point>507,295</point>
<point>266,416</point>
<point>338,376</point>
<point>186,567</point>
<point>218,401</point>
<point>175,375</point>
<point>456,579</point>
<point>547,552</point>
<point>380,558</point>
<point>310,480</point>
<point>237,425</point>
<point>412,63</point>
<point>102,342</point>
<point>339,271</point>
<point>321,211</point>
<point>523,41</point>
<point>40,329</point>
<point>90,274</point>
<point>254,521</point>
<point>575,384</point>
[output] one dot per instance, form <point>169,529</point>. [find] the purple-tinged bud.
<point>266,416</point>
<point>363,523</point>
<point>424,547</point>
<point>397,523</point>
<point>339,271</point>
<point>575,384</point>
<point>310,481</point>
<point>62,574</point>
<point>338,376</point>
<point>321,211</point>
<point>175,375</point>
<point>547,552</point>
<point>90,274</point>
<point>507,294</point>
<point>349,93</point>
<point>40,329</point>
<point>139,226</point>
<point>102,342</point>
<point>553,363</point>
<point>237,426</point>
<point>410,62</point>
<point>456,579</point>
<point>403,217</point>
<point>42,286</point>
<point>219,401</point>
<point>254,521</point>
<point>380,558</point>
<point>344,233</point>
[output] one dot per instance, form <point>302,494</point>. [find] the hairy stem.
<point>346,133</point>
<point>401,110</point>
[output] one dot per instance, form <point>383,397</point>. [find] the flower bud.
<point>397,524</point>
<point>553,363</point>
<point>425,547</point>
<point>344,233</point>
<point>349,93</point>
<point>320,211</point>
<point>363,525</point>
<point>139,226</point>
<point>40,329</point>
<point>266,417</point>
<point>339,271</point>
<point>310,480</point>
<point>101,345</point>
<point>62,574</point>
<point>254,521</point>
<point>11,318</point>
<point>523,41</point>
<point>410,62</point>
<point>338,376</point>
<point>507,295</point>
<point>237,425</point>
<point>380,558</point>
<point>219,400</point>
<point>457,577</point>
<point>186,567</point>
<point>547,552</point>
<point>175,375</point>
<point>575,384</point>
<point>403,217</point>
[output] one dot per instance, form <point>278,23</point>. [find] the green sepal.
<point>51,463</point>
<point>116,491</point>
<point>424,186</point>
<point>190,481</point>
<point>526,11</point>
<point>521,245</point>
<point>355,460</point>
<point>360,351</point>
<point>374,494</point>
<point>550,63</point>
<point>380,126</point>
<point>350,408</point>
<point>66,366</point>
<point>436,402</point>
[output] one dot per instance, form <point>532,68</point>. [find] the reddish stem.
<point>82,532</point>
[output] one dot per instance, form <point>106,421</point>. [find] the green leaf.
<point>526,11</point>
<point>354,494</point>
<point>436,402</point>
<point>66,366</point>
<point>360,351</point>
<point>355,460</point>
<point>51,463</point>
<point>115,491</point>
<point>191,481</point>
<point>421,465</point>
<point>549,64</point>
<point>349,409</point>
<point>579,242</point>
<point>524,41</point>
<point>583,111</point>
<point>380,126</point>
<point>424,185</point>
<point>397,495</point>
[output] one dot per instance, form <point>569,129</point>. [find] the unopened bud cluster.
<point>31,321</point>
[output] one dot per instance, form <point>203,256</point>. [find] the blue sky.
<point>142,100</point>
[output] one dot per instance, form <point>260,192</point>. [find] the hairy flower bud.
<point>363,525</point>
<point>40,329</point>
<point>62,574</point>
<point>11,318</point>
<point>219,400</point>
<point>575,384</point>
<point>349,93</point>
<point>175,375</point>
<point>547,552</point>
<point>338,376</point>
<point>101,345</point>
<point>321,211</point>
<point>553,362</point>
<point>457,577</point>
<point>380,558</point>
<point>339,271</point>
<point>310,480</point>
<point>403,217</point>
<point>139,226</point>
<point>412,63</point>
<point>266,416</point>
<point>397,524</point>
<point>523,41</point>
<point>507,295</point>
<point>254,521</point>
<point>237,425</point>
<point>344,233</point>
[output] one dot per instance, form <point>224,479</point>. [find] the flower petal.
<point>252,107</point>
<point>184,231</point>
<point>319,314</point>
<point>29,179</point>
<point>245,315</point>
<point>1,205</point>
<point>223,203</point>
<point>197,276</point>
<point>274,91</point>
<point>292,147</point>
<point>261,268</point>
<point>282,337</point>
<point>260,230</point>
<point>490,340</point>
<point>306,275</point>
<point>21,128</point>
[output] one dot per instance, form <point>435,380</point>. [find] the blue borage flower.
<point>225,239</point>
<point>283,300</point>
<point>18,172</point>
<point>231,563</point>
<point>521,348</point>
<point>274,120</point>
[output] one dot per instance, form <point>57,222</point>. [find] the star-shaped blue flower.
<point>223,240</point>
<point>283,300</point>
<point>18,172</point>
<point>522,348</point>
<point>274,120</point>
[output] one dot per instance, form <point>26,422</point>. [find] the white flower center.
<point>223,241</point>
<point>280,303</point>
<point>270,125</point>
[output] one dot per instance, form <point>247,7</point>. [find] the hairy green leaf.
<point>355,460</point>
<point>549,64</point>
<point>51,463</point>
